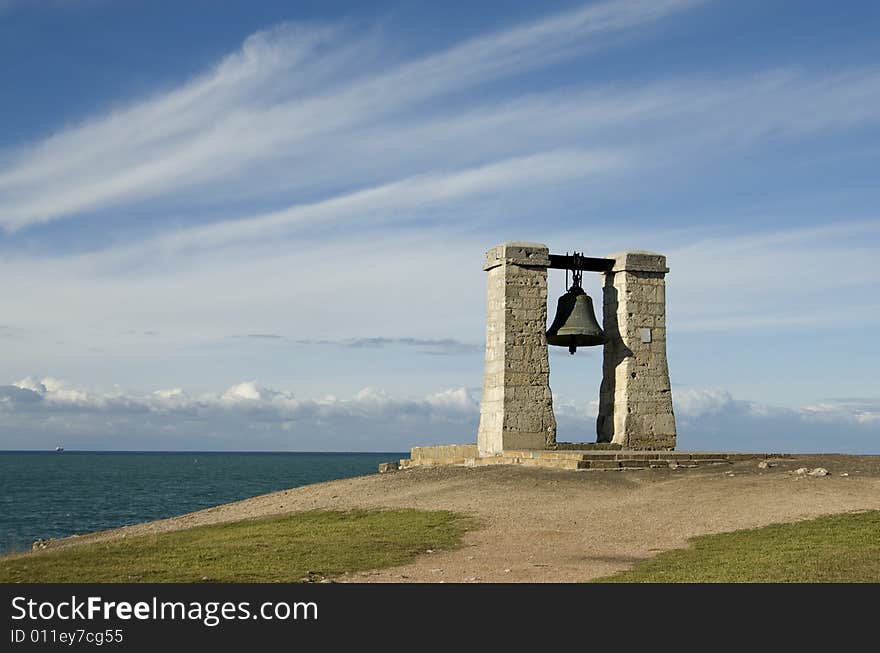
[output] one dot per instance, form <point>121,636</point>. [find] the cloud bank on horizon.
<point>311,206</point>
<point>41,413</point>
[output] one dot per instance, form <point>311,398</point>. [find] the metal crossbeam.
<point>565,262</point>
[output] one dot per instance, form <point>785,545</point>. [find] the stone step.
<point>529,462</point>
<point>572,459</point>
<point>585,455</point>
<point>611,455</point>
<point>543,454</point>
<point>602,464</point>
<point>554,464</point>
<point>587,446</point>
<point>628,463</point>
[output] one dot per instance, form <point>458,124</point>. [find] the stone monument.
<point>635,402</point>
<point>516,411</point>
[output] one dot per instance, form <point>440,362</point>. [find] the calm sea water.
<point>47,494</point>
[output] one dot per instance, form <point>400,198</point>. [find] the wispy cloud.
<point>10,331</point>
<point>271,119</point>
<point>277,95</point>
<point>561,137</point>
<point>410,197</point>
<point>781,278</point>
<point>437,347</point>
<point>268,288</point>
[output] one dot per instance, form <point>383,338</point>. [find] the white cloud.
<point>247,391</point>
<point>171,393</point>
<point>713,419</point>
<point>36,413</point>
<point>864,412</point>
<point>700,403</point>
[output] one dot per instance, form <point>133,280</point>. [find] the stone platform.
<point>583,458</point>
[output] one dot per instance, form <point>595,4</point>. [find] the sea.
<point>49,495</point>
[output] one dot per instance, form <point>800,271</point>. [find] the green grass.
<point>278,549</point>
<point>834,549</point>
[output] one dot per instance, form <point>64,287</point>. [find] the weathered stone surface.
<point>635,399</point>
<point>604,464</point>
<point>392,466</point>
<point>518,253</point>
<point>516,410</point>
<point>637,260</point>
<point>443,452</point>
<point>467,456</point>
<point>587,446</point>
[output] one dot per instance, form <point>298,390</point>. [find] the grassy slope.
<point>279,549</point>
<point>837,548</point>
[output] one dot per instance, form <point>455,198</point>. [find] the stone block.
<point>442,452</point>
<point>518,254</point>
<point>639,261</point>
<point>604,464</point>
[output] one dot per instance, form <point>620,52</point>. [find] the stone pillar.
<point>635,402</point>
<point>516,411</point>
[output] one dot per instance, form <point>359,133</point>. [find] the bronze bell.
<point>575,323</point>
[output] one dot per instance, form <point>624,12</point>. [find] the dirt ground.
<point>543,525</point>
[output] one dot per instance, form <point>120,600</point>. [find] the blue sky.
<point>251,225</point>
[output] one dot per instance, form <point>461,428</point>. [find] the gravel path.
<point>541,525</point>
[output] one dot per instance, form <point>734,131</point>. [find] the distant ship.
<point>59,449</point>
